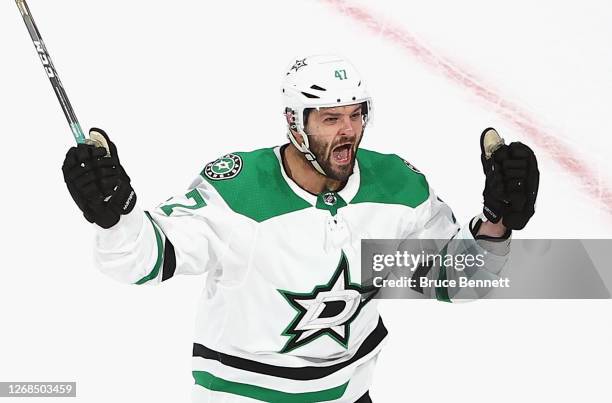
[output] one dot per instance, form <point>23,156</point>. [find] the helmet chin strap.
<point>303,148</point>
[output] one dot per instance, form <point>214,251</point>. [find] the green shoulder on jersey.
<point>389,179</point>
<point>256,188</point>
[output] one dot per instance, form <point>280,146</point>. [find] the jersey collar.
<point>347,193</point>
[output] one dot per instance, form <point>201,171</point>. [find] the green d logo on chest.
<point>328,309</point>
<point>330,201</point>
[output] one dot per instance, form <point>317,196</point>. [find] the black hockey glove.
<point>97,182</point>
<point>512,180</point>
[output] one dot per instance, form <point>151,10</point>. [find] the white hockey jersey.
<point>274,254</point>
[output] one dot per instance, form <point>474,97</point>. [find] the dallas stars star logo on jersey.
<point>225,167</point>
<point>328,310</point>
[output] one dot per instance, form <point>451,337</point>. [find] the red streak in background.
<point>589,179</point>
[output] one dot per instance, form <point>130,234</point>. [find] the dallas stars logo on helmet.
<point>297,65</point>
<point>328,310</point>
<point>226,167</point>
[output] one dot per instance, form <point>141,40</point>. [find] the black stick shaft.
<point>41,49</point>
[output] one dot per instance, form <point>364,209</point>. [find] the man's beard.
<point>324,156</point>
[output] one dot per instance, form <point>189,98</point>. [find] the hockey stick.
<point>77,132</point>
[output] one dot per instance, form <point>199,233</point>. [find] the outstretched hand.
<point>512,180</point>
<point>97,182</point>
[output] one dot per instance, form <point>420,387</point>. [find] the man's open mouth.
<point>343,153</point>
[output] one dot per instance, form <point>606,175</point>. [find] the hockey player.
<point>283,317</point>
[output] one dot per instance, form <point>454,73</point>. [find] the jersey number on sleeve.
<point>191,195</point>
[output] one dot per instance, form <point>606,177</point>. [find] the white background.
<point>176,84</point>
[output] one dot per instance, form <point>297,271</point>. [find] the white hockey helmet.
<point>320,81</point>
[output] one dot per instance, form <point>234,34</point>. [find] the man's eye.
<point>331,120</point>
<point>356,116</point>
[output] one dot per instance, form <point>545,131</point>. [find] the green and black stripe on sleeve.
<point>166,256</point>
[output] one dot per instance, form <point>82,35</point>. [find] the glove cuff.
<point>490,214</point>
<point>475,227</point>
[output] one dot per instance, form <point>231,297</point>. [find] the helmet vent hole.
<point>354,98</point>
<point>316,87</point>
<point>339,100</point>
<point>307,95</point>
<point>359,85</point>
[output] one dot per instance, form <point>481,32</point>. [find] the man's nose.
<point>346,128</point>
